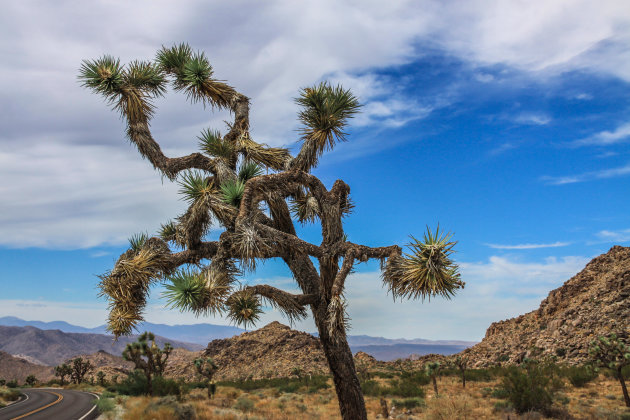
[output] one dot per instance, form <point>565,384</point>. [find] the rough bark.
<point>341,362</point>
<point>624,389</point>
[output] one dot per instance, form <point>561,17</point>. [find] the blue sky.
<point>507,123</point>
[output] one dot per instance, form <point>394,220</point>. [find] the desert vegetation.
<point>535,389</point>
<point>255,193</point>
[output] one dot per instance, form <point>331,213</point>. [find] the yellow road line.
<point>59,398</point>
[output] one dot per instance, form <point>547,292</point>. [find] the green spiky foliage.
<point>212,144</point>
<point>137,241</point>
<point>249,170</point>
<point>207,368</point>
<point>232,192</point>
<point>194,186</point>
<point>425,272</point>
<point>200,292</point>
<point>62,371</point>
<point>244,309</point>
<point>148,357</point>
<point>248,196</point>
<point>612,352</point>
<point>168,232</point>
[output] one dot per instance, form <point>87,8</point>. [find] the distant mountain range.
<point>197,336</point>
<point>51,347</point>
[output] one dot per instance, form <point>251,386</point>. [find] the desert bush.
<point>409,403</point>
<point>11,395</point>
<point>3,382</point>
<point>244,404</point>
<point>30,380</point>
<point>384,375</point>
<point>404,388</point>
<point>288,385</point>
<point>528,388</point>
<point>480,375</point>
<point>371,388</point>
<point>103,405</point>
<point>12,383</point>
<point>579,376</point>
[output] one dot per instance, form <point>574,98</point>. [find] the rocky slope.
<point>272,351</point>
<point>16,368</point>
<point>594,302</point>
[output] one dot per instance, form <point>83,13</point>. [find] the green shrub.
<point>528,388</point>
<point>3,382</point>
<point>11,395</point>
<point>104,405</point>
<point>244,404</point>
<point>12,384</point>
<point>479,375</point>
<point>500,393</point>
<point>579,376</point>
<point>371,388</point>
<point>409,403</point>
<point>404,388</point>
<point>164,386</point>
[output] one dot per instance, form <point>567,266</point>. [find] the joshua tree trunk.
<point>435,388</point>
<point>463,377</point>
<point>624,389</point>
<point>341,365</point>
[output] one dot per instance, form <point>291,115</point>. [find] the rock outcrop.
<point>594,302</point>
<point>272,351</point>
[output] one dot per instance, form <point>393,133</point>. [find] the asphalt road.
<point>51,403</point>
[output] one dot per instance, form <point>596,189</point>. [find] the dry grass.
<point>600,399</point>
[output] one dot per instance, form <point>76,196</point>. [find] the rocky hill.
<point>15,368</point>
<point>51,347</point>
<point>594,302</point>
<point>272,351</point>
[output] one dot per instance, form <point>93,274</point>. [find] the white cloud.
<point>616,236</point>
<point>533,119</point>
<point>529,246</point>
<point>605,138</point>
<point>78,197</point>
<point>587,176</point>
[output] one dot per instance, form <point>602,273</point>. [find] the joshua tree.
<point>207,368</point>
<point>100,378</point>
<point>80,369</point>
<point>62,371</point>
<point>30,380</point>
<point>432,369</point>
<point>255,193</point>
<point>148,357</point>
<point>612,353</point>
<point>462,363</point>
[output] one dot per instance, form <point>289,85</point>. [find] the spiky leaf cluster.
<point>193,75</point>
<point>427,271</point>
<point>249,170</point>
<point>610,352</point>
<point>244,308</point>
<point>200,292</point>
<point>211,143</point>
<point>232,192</point>
<point>194,185</point>
<point>127,285</point>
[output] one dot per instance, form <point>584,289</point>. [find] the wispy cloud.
<point>605,138</point>
<point>529,246</point>
<point>533,119</point>
<point>617,236</point>
<point>587,176</point>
